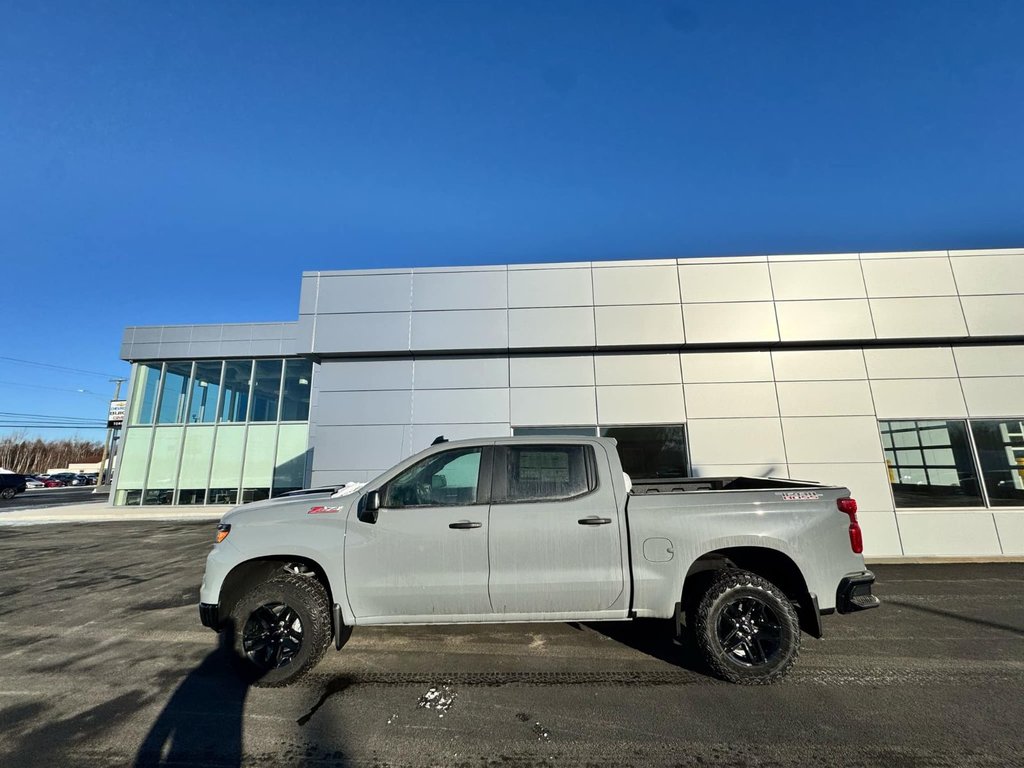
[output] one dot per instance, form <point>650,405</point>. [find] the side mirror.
<point>369,507</point>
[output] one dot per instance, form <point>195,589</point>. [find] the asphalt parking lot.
<point>104,663</point>
<point>38,498</point>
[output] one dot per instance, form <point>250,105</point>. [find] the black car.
<point>11,485</point>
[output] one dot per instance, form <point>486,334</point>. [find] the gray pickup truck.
<point>537,529</point>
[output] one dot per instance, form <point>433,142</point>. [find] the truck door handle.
<point>464,524</point>
<point>594,520</point>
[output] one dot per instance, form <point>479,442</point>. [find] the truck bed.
<point>643,487</point>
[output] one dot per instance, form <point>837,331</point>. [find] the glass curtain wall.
<point>215,431</point>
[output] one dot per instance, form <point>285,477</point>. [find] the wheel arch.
<point>772,564</point>
<point>247,574</point>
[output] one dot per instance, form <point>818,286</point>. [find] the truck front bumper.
<point>854,593</point>
<point>209,615</point>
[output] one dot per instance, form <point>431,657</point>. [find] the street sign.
<point>115,416</point>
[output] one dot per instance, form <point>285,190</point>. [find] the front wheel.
<point>281,628</point>
<point>7,493</point>
<point>747,629</point>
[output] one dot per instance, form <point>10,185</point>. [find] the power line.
<point>58,367</point>
<point>54,389</point>
<point>71,427</point>
<point>17,414</point>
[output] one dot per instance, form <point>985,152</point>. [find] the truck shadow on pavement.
<point>202,721</point>
<point>655,638</point>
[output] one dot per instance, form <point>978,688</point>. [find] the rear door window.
<point>527,473</point>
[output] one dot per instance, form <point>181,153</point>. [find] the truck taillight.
<point>849,507</point>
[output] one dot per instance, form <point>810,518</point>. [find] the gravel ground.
<point>104,663</point>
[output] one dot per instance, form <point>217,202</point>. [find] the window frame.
<point>499,474</point>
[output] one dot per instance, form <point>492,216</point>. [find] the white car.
<point>31,482</point>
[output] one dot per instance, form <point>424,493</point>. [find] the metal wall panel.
<point>736,441</point>
<point>699,367</point>
<point>641,404</point>
<point>377,332</point>
<point>636,285</point>
<point>366,407</point>
<point>551,327</point>
<point>550,288</point>
<point>552,370</point>
<point>939,316</point>
<point>639,325</point>
<point>717,283</point>
<point>920,398</point>
<point>818,364</point>
<point>909,277</point>
<point>348,375</point>
<point>948,534</point>
<point>479,329</point>
<point>553,406</point>
<point>994,397</point>
<point>455,406</point>
<point>980,275</point>
<point>827,439</point>
<point>824,320</point>
<point>637,369</point>
<point>365,293</point>
<point>723,323</point>
<point>358,447</point>
<point>825,398</point>
<point>727,400</point>
<point>461,373</point>
<point>459,290</point>
<point>909,362</point>
<point>839,279</point>
<point>994,360</point>
<point>993,315</point>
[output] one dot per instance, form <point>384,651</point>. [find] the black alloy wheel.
<point>746,628</point>
<point>750,631</point>
<point>272,636</point>
<point>281,628</point>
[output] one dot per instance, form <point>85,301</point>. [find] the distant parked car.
<point>33,482</point>
<point>83,480</point>
<point>65,478</point>
<point>11,485</point>
<point>51,482</point>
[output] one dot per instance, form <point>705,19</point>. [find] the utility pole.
<point>104,469</point>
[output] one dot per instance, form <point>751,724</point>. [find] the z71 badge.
<point>323,510</point>
<point>799,495</point>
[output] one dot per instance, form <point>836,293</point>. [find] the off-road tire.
<point>307,598</point>
<point>732,588</point>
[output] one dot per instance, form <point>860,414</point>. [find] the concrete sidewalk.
<point>103,513</point>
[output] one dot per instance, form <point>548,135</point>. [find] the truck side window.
<point>545,473</point>
<point>444,479</point>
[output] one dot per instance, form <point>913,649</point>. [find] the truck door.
<point>554,543</point>
<point>426,554</point>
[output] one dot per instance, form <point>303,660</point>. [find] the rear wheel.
<point>281,628</point>
<point>747,629</point>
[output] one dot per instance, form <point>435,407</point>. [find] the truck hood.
<point>291,510</point>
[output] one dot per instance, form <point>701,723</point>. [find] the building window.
<point>202,408</point>
<point>930,464</point>
<point>266,390</point>
<point>235,400</point>
<point>174,393</point>
<point>650,452</point>
<point>295,397</point>
<point>1000,446</point>
<point>646,452</point>
<point>147,382</point>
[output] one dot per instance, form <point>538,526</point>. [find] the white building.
<point>899,375</point>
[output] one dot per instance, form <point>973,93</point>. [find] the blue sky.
<point>183,162</point>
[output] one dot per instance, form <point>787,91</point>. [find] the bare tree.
<point>20,454</point>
